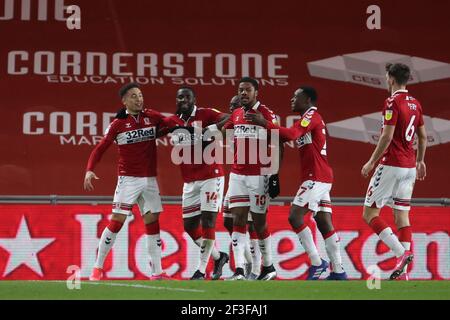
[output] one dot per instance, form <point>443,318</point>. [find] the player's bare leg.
<point>379,226</point>
<point>332,245</point>
<point>268,271</point>
<point>197,233</point>
<point>296,220</point>
<point>106,242</point>
<point>239,239</point>
<point>152,230</point>
<point>404,234</point>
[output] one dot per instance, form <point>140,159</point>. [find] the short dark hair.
<point>310,93</point>
<point>124,89</point>
<point>254,82</point>
<point>187,88</point>
<point>399,71</point>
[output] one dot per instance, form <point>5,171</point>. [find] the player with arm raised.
<point>393,181</point>
<point>309,134</point>
<point>203,182</point>
<point>134,131</point>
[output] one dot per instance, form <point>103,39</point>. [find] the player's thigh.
<point>239,196</point>
<point>240,215</point>
<point>401,198</point>
<point>308,196</point>
<point>211,194</point>
<point>149,200</point>
<point>226,208</point>
<point>258,187</point>
<point>208,219</point>
<point>381,187</point>
<point>191,199</point>
<point>127,192</point>
<point>191,223</point>
<point>296,215</point>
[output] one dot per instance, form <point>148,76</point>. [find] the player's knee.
<point>119,217</point>
<point>368,215</point>
<point>295,219</point>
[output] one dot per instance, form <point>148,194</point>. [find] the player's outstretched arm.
<point>88,180</point>
<point>422,145</point>
<point>383,144</point>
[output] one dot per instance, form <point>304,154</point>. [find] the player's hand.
<point>256,118</point>
<point>421,170</point>
<point>274,186</point>
<point>367,168</point>
<point>87,180</point>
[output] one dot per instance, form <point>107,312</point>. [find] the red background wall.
<point>304,30</point>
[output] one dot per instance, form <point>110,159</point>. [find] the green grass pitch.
<point>221,290</point>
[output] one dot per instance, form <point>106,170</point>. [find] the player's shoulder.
<point>208,110</point>
<point>152,112</point>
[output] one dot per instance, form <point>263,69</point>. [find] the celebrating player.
<point>203,182</point>
<point>317,177</point>
<point>393,181</point>
<point>134,131</point>
<point>252,252</point>
<point>249,179</point>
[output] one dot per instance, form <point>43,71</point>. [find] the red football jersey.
<point>200,117</point>
<point>309,133</point>
<point>405,113</point>
<point>248,138</point>
<point>135,137</point>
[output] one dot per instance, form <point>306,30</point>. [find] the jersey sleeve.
<point>390,112</point>
<point>214,115</point>
<point>300,128</point>
<point>99,150</point>
<point>420,123</point>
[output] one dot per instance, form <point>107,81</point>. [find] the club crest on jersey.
<point>147,121</point>
<point>305,122</point>
<point>127,125</point>
<point>388,115</point>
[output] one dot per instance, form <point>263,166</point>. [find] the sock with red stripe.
<point>255,253</point>
<point>206,247</point>
<point>265,246</point>
<point>332,246</point>
<point>239,239</point>
<point>306,239</point>
<point>405,237</point>
<point>107,242</point>
<point>154,246</point>
<point>196,236</point>
<point>386,235</point>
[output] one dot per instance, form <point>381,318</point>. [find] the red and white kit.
<point>135,137</point>
<point>309,134</point>
<point>248,185</point>
<point>203,182</point>
<point>393,181</point>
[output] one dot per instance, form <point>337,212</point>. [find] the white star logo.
<point>23,249</point>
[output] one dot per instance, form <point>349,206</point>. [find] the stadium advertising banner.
<point>51,241</point>
<point>59,85</point>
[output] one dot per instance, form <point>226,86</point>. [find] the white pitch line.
<point>111,284</point>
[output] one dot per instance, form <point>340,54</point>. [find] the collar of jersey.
<point>194,110</point>
<point>255,106</point>
<point>309,109</point>
<point>399,91</point>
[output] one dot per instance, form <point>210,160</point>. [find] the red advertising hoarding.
<point>43,241</point>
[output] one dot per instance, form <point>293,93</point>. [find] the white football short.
<point>141,190</point>
<point>392,186</point>
<point>314,195</point>
<point>202,195</point>
<point>226,209</point>
<point>249,191</point>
